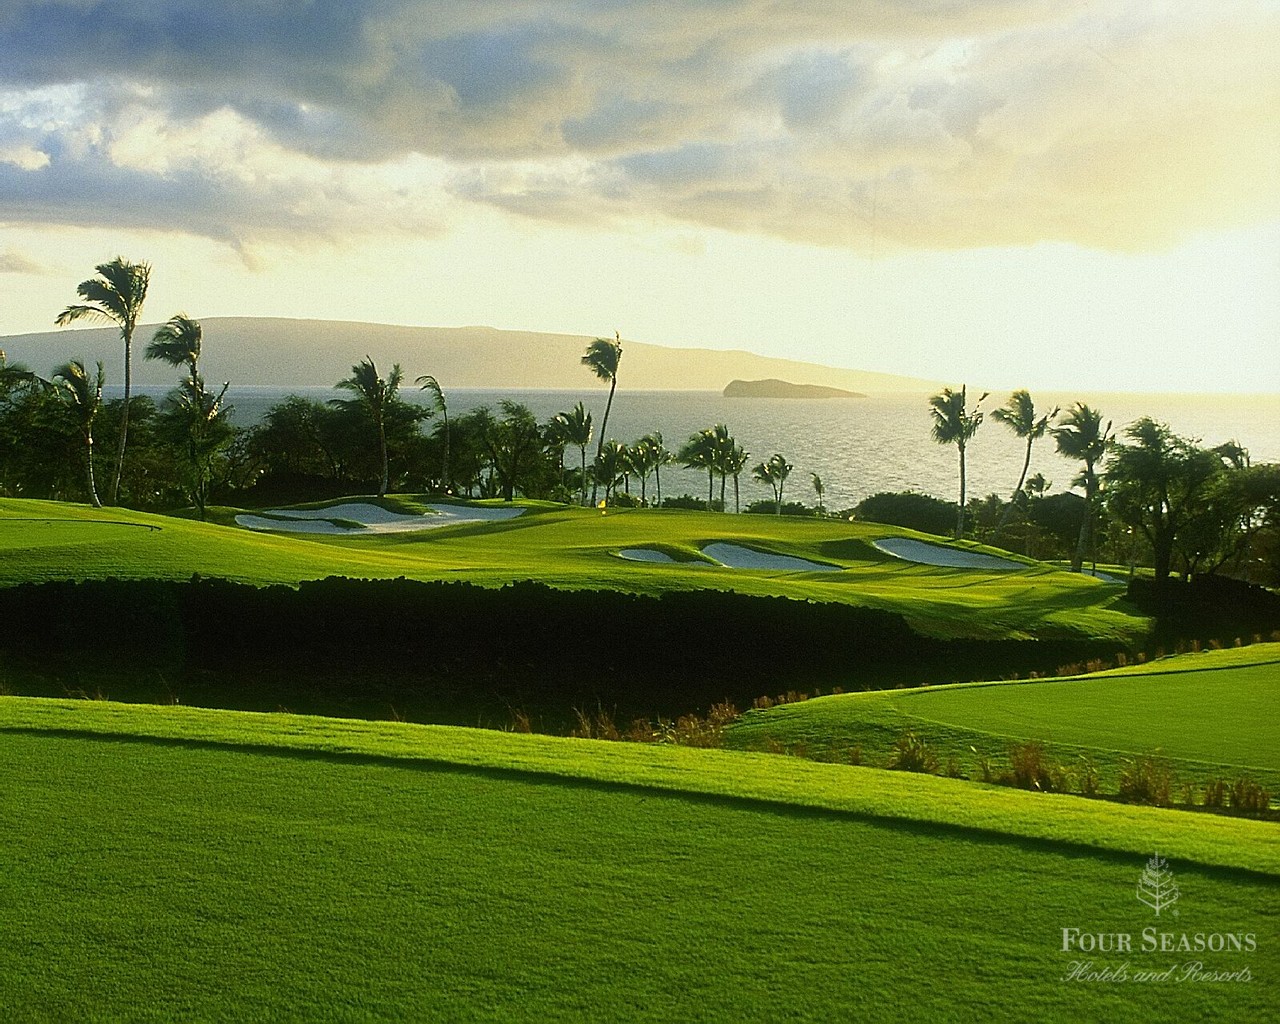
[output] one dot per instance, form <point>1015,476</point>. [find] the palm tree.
<point>115,295</point>
<point>574,427</point>
<point>735,462</point>
<point>722,449</point>
<point>659,456</point>
<point>178,343</point>
<point>610,465</point>
<point>375,394</point>
<point>602,358</point>
<point>640,455</point>
<point>1082,436</point>
<point>699,453</point>
<point>86,395</point>
<point>774,473</point>
<point>201,418</point>
<point>1019,415</point>
<point>428,383</point>
<point>819,488</point>
<point>955,423</point>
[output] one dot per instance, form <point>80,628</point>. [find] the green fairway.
<point>173,863</point>
<point>1207,713</point>
<point>575,548</point>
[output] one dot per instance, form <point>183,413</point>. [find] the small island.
<point>784,389</point>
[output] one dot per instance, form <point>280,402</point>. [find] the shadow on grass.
<point>971,833</point>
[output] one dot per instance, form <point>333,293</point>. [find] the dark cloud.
<point>941,122</point>
<point>15,263</point>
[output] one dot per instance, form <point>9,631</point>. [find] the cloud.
<point>935,124</point>
<point>15,263</point>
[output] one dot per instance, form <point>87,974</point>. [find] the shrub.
<point>1215,793</point>
<point>907,508</point>
<point>1088,775</point>
<point>1032,768</point>
<point>685,501</point>
<point>912,754</point>
<point>855,754</point>
<point>1247,797</point>
<point>1148,780</point>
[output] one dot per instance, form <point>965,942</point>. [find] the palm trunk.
<point>1004,516</point>
<point>657,479</point>
<point>737,506</point>
<point>114,496</point>
<point>642,489</point>
<point>711,488</point>
<point>960,510</point>
<point>382,447</point>
<point>93,488</point>
<point>722,476</point>
<point>1086,523</point>
<point>583,482</point>
<point>604,424</point>
<point>444,478</point>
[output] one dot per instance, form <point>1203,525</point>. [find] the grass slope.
<point>1207,713</point>
<point>573,548</point>
<point>167,863</point>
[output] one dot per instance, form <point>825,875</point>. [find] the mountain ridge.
<point>284,351</point>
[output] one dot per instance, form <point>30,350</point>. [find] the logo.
<point>1156,887</point>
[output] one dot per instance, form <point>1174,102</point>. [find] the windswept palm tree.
<point>774,473</point>
<point>116,295</point>
<point>428,383</point>
<point>1081,436</point>
<point>819,488</point>
<point>955,423</point>
<point>602,358</point>
<point>1019,415</point>
<point>375,394</point>
<point>85,396</point>
<point>178,343</point>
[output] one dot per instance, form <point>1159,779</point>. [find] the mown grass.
<point>1206,714</point>
<point>573,548</point>
<point>171,863</point>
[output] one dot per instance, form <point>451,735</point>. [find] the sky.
<point>1052,193</point>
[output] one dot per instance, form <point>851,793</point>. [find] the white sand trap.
<point>935,554</point>
<point>372,519</point>
<point>735,556</point>
<point>644,555</point>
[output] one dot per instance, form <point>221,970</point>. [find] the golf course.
<point>200,863</point>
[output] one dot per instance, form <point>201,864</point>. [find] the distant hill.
<point>262,350</point>
<point>784,389</point>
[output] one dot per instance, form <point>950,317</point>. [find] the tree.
<point>699,453</point>
<point>116,295</point>
<point>375,394</point>
<point>955,423</point>
<point>197,420</point>
<point>85,396</point>
<point>1019,415</point>
<point>641,456</point>
<point>1081,436</point>
<point>820,490</point>
<point>609,466</point>
<point>428,383</point>
<point>735,462</point>
<point>574,427</point>
<point>517,451</point>
<point>602,358</point>
<point>1158,483</point>
<point>722,455</point>
<point>659,456</point>
<point>178,343</point>
<point>774,473</point>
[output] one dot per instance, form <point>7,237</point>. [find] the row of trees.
<point>1155,492</point>
<point>1201,507</point>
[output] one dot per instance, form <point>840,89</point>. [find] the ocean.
<point>858,446</point>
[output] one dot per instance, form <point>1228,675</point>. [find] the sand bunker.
<point>645,555</point>
<point>935,554</point>
<point>735,556</point>
<point>370,519</point>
